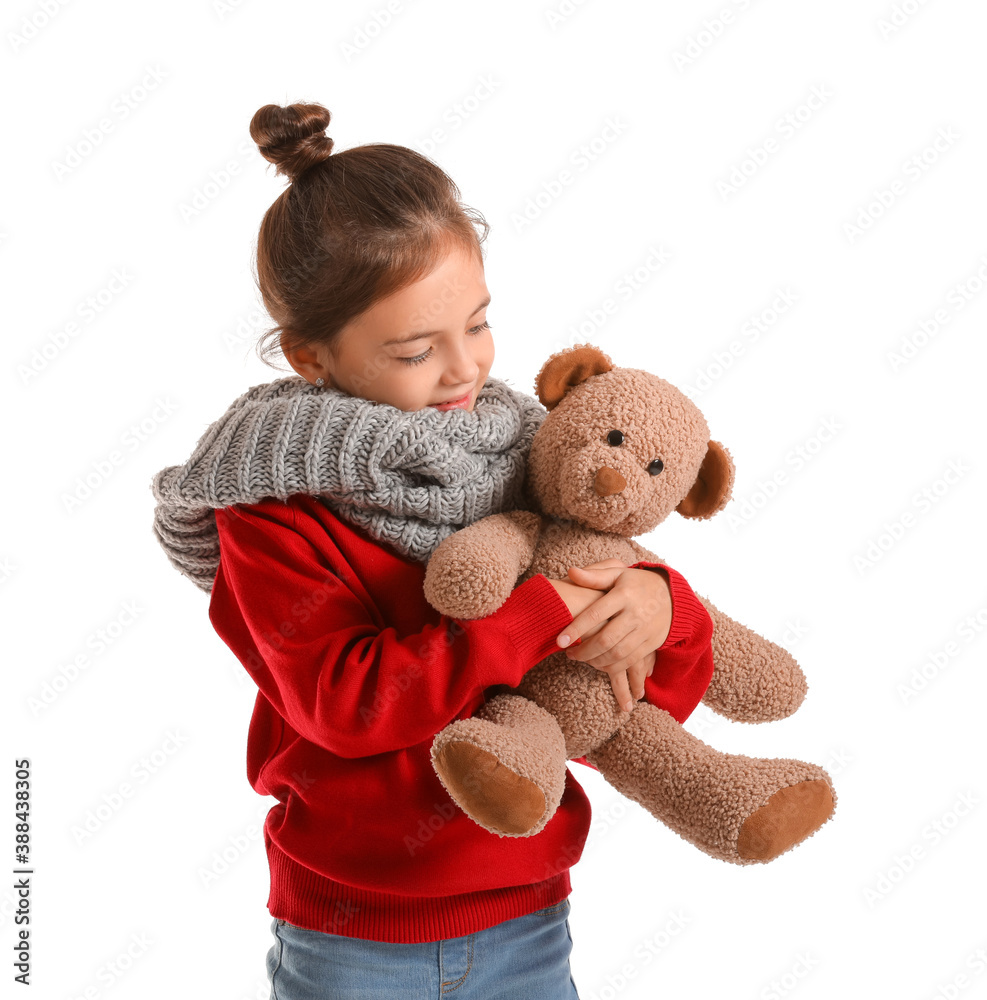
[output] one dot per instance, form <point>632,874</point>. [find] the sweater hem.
<point>312,901</point>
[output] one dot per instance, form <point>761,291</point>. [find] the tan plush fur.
<point>505,766</point>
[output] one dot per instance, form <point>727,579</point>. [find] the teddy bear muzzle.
<point>608,482</point>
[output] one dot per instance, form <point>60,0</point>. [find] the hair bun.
<point>293,137</point>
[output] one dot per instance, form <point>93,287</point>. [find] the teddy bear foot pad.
<point>786,819</point>
<point>496,797</point>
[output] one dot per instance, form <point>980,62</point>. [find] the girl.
<point>308,512</point>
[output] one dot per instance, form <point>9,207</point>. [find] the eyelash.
<point>424,357</point>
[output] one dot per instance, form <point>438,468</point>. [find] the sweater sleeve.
<point>337,674</point>
<point>688,612</point>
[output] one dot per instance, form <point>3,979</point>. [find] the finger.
<point>638,663</point>
<point>605,649</point>
<point>589,619</point>
<point>573,640</point>
<point>621,691</point>
<point>604,564</point>
<point>608,644</point>
<point>608,606</point>
<point>602,578</point>
<point>636,674</point>
<point>571,645</point>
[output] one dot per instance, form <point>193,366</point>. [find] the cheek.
<point>485,354</point>
<point>400,387</point>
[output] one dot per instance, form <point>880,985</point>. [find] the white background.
<point>869,227</point>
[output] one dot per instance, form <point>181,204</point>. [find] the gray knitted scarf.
<point>409,478</point>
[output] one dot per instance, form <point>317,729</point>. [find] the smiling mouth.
<point>451,404</point>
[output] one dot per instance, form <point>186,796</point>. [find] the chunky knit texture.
<point>409,478</point>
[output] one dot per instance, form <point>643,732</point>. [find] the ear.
<point>566,369</point>
<point>713,485</point>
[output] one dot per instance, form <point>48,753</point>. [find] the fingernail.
<point>563,640</point>
<point>629,706</point>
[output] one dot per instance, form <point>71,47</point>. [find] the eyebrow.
<point>406,338</point>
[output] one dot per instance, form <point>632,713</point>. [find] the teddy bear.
<point>618,451</point>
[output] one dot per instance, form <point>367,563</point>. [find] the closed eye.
<point>418,359</point>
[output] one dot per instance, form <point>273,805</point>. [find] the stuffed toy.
<point>619,450</point>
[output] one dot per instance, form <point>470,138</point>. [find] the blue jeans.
<point>514,960</point>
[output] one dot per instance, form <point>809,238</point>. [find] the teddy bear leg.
<point>740,809</point>
<point>504,766</point>
<point>754,679</point>
<point>579,698</point>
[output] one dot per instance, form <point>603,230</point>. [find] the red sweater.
<point>356,674</point>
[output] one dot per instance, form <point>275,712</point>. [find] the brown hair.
<point>351,228</point>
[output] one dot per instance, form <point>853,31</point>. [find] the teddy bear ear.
<point>713,485</point>
<point>566,369</point>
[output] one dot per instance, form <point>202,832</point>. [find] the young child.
<point>308,513</point>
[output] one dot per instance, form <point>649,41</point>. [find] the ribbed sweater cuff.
<point>533,616</point>
<point>688,614</point>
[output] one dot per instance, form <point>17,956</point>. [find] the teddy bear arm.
<point>472,572</point>
<point>754,679</point>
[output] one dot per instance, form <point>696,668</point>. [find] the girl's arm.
<point>323,659</point>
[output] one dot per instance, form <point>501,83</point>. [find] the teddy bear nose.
<point>608,482</point>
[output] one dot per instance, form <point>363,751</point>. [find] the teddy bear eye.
<point>615,438</point>
<point>656,466</point>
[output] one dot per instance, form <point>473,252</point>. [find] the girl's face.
<point>426,345</point>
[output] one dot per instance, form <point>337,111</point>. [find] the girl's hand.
<point>626,625</point>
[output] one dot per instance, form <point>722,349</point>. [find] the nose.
<point>608,482</point>
<point>460,368</point>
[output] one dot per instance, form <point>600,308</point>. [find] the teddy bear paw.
<point>508,785</point>
<point>786,819</point>
<point>460,589</point>
<point>491,794</point>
